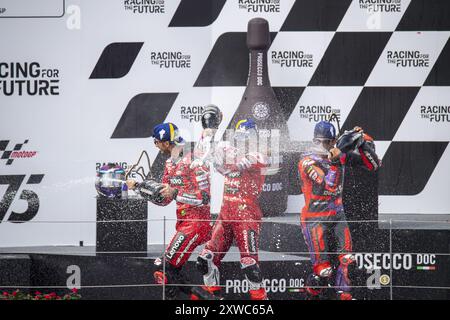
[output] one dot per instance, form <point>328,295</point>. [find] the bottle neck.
<point>258,75</point>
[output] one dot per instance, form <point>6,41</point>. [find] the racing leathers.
<point>239,220</point>
<point>323,214</point>
<point>193,227</point>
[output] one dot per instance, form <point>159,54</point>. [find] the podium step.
<point>15,272</point>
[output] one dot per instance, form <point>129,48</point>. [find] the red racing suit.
<point>240,215</point>
<point>323,214</point>
<point>192,202</point>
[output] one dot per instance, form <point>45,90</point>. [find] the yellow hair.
<point>172,132</point>
<point>239,123</point>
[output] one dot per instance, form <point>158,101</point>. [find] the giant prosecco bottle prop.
<point>260,103</point>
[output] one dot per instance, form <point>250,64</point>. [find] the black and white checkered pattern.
<point>351,71</point>
<point>7,153</point>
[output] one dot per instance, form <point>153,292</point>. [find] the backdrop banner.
<point>83,82</point>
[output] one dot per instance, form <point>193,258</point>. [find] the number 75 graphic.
<point>14,182</point>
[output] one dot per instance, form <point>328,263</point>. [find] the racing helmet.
<point>109,181</point>
<point>211,117</point>
<point>245,129</point>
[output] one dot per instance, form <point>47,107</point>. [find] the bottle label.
<point>260,69</point>
<point>261,110</point>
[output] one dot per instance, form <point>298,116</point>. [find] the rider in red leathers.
<point>189,187</point>
<point>240,214</point>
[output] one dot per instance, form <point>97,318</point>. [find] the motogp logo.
<point>261,111</point>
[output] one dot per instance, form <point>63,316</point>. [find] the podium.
<point>15,271</point>
<point>121,225</point>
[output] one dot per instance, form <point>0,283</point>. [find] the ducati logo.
<point>261,111</point>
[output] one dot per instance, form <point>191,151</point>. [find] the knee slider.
<point>251,269</point>
<point>323,270</point>
<point>346,259</point>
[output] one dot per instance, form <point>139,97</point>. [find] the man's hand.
<point>131,184</point>
<point>168,192</point>
<point>208,132</point>
<point>196,163</point>
<point>358,129</point>
<point>334,154</point>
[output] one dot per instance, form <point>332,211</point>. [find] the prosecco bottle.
<point>260,103</point>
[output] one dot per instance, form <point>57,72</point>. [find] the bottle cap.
<point>258,35</point>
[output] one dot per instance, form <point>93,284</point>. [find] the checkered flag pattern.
<point>7,153</point>
<point>381,65</point>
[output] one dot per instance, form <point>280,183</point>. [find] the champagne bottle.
<point>260,103</point>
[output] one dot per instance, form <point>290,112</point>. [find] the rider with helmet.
<point>240,214</point>
<point>322,179</point>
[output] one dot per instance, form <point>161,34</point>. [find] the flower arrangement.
<point>18,295</point>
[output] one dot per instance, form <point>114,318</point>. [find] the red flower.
<point>5,293</point>
<point>14,293</point>
<point>37,293</point>
<point>47,296</point>
<point>53,294</point>
<point>75,290</point>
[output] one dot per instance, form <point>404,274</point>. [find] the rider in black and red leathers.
<point>322,178</point>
